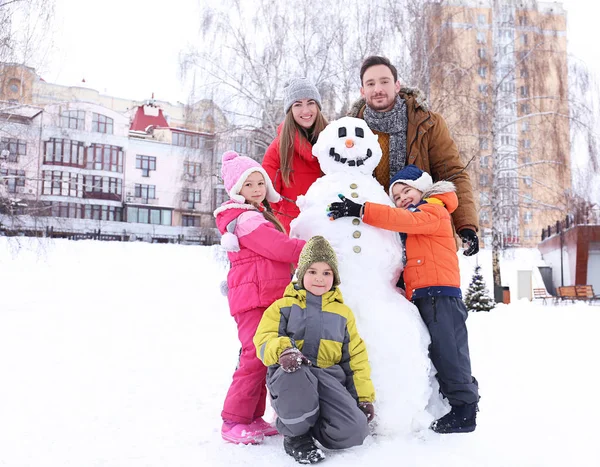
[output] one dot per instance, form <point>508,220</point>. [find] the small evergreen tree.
<point>477,298</point>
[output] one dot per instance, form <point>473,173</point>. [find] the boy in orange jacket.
<point>432,278</point>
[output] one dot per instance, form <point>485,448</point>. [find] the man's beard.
<point>386,105</point>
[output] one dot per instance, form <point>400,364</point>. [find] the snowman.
<point>370,263</point>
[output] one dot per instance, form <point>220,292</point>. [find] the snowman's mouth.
<point>350,162</point>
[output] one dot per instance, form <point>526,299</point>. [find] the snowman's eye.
<point>359,132</point>
<point>342,132</point>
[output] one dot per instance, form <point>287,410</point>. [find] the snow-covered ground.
<point>120,354</point>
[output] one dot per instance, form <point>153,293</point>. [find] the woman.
<point>289,160</point>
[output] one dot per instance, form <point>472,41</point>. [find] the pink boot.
<point>240,433</point>
<point>265,428</point>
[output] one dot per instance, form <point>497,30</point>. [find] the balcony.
<point>129,199</point>
<point>101,195</point>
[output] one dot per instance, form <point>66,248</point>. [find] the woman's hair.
<point>268,214</point>
<point>287,137</point>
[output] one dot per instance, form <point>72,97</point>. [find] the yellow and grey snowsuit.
<point>323,397</point>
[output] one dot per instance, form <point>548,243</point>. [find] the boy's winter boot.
<point>461,419</point>
<point>303,449</point>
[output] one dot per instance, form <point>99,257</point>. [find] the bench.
<point>542,294</point>
<point>568,292</point>
<point>586,292</point>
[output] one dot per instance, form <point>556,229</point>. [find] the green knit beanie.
<point>317,250</point>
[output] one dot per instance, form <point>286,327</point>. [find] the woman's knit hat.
<point>235,169</point>
<point>317,250</point>
<point>411,175</point>
<point>297,89</point>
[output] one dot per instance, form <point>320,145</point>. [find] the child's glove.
<point>470,240</point>
<point>346,208</point>
<point>368,409</point>
<point>291,359</point>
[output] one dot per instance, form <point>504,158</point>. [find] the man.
<point>411,134</point>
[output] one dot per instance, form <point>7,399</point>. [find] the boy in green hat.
<point>319,376</point>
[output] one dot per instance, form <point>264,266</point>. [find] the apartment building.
<point>72,164</point>
<point>497,71</point>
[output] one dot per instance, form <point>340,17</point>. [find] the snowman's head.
<point>347,145</point>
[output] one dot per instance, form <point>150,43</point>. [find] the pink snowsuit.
<point>259,274</point>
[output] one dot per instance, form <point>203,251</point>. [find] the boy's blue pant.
<point>445,317</point>
<point>315,400</point>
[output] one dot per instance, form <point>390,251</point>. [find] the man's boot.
<point>303,449</point>
<point>461,419</point>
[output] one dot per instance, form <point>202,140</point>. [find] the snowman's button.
<point>356,249</point>
<point>354,194</point>
<point>356,234</point>
<point>356,221</point>
<point>354,186</point>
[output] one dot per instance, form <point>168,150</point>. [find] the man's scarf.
<point>393,122</point>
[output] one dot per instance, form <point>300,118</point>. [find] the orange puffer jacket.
<point>431,259</point>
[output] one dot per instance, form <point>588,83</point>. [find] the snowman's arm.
<point>427,221</point>
<point>355,361</point>
<point>267,341</point>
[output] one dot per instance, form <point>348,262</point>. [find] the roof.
<point>147,115</point>
<point>18,110</point>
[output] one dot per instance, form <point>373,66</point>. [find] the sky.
<point>128,49</point>
<point>124,352</point>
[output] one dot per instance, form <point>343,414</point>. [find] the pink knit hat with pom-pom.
<point>235,169</point>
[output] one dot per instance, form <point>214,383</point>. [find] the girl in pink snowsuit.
<point>262,257</point>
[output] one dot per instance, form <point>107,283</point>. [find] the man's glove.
<point>346,208</point>
<point>368,409</point>
<point>291,359</point>
<point>470,241</point>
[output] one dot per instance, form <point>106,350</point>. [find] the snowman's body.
<point>370,262</point>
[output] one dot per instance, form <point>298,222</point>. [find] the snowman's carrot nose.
<point>349,143</point>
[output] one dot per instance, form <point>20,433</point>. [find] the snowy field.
<point>120,354</point>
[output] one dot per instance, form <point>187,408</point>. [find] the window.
<point>240,145</point>
<point>528,199</point>
<point>527,217</point>
<point>484,180</point>
<point>524,91</point>
<point>528,181</point>
<point>507,140</point>
<point>482,106</point>
<point>522,20</point>
<point>523,39</point>
<point>527,160</point>
<point>525,126</point>
<point>13,179</point>
<point>528,233</point>
<point>481,39</point>
<point>145,192</point>
<point>105,213</point>
<point>185,140</point>
<point>191,169</point>
<point>192,197</point>
<point>64,152</point>
<point>524,73</point>
<point>481,53</point>
<point>483,88</point>
<point>484,216</point>
<point>102,124</point>
<point>103,187</point>
<point>105,157</point>
<point>525,109</point>
<point>481,19</point>
<point>484,199</point>
<point>190,221</point>
<point>219,197</point>
<point>149,215</point>
<point>146,163</point>
<point>73,119</point>
<point>507,86</point>
<point>526,144</point>
<point>15,148</point>
<point>482,71</point>
<point>58,183</point>
<point>484,162</point>
<point>483,143</point>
